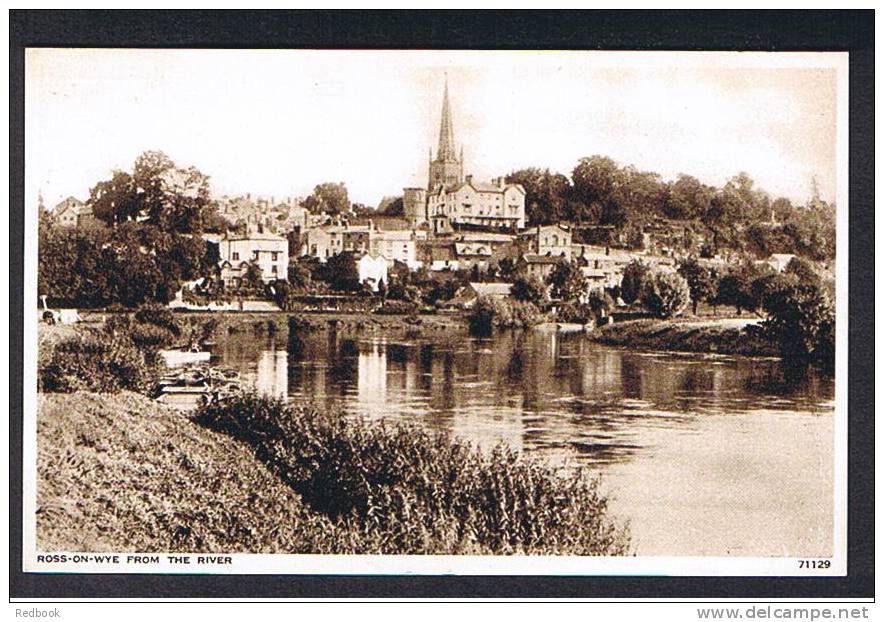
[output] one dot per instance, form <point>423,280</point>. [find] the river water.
<point>702,454</point>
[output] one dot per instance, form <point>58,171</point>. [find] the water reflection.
<point>561,395</point>
<point>691,447</point>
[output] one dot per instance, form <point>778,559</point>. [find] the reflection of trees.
<point>556,392</point>
<point>343,358</point>
<point>630,378</point>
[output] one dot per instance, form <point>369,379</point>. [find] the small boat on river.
<point>198,385</point>
<point>179,358</point>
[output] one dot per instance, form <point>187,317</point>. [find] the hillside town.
<point>458,235</point>
<point>270,344</point>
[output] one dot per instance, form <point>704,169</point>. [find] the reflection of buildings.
<point>371,383</point>
<point>272,376</point>
<point>556,393</point>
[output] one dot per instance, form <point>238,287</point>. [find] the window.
<point>273,269</point>
<point>255,255</point>
<point>235,256</point>
<point>275,255</point>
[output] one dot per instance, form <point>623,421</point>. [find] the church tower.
<point>447,168</point>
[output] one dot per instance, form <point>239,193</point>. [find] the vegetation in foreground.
<point>123,473</point>
<point>399,489</point>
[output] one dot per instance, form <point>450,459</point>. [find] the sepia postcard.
<point>435,312</point>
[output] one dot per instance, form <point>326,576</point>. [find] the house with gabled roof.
<point>73,213</point>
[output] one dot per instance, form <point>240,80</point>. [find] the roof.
<point>534,230</point>
<point>256,236</point>
<point>463,248</point>
<point>479,187</point>
<point>74,204</point>
<point>483,236</point>
<point>492,289</point>
<point>541,259</point>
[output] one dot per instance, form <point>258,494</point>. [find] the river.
<point>702,454</point>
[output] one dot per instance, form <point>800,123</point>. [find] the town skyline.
<point>372,129</point>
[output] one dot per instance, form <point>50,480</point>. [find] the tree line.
<point>738,216</point>
<point>149,246</point>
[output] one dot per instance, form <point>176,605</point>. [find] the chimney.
<point>501,183</point>
<point>469,179</point>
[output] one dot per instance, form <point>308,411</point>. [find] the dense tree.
<point>687,199</point>
<point>545,194</point>
<point>567,281</point>
<point>600,302</point>
<point>801,318</point>
<point>116,200</point>
<point>130,264</point>
<point>735,287</point>
<point>529,289</point>
<point>158,193</point>
<point>506,269</point>
<point>666,294</point>
<point>803,271</point>
<point>702,281</point>
<point>251,278</point>
<point>341,273</point>
<point>298,275</point>
<point>391,206</point>
<point>634,276</point>
<point>328,197</point>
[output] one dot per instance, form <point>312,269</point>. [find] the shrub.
<point>151,337</point>
<point>397,307</point>
<point>489,313</point>
<point>158,315</point>
<point>576,313</point>
<point>402,490</point>
<point>96,362</point>
<point>666,294</point>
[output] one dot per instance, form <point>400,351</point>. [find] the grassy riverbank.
<point>121,472</point>
<point>709,335</point>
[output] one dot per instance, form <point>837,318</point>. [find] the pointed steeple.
<point>446,130</point>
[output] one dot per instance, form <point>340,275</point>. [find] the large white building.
<point>454,199</point>
<point>268,250</point>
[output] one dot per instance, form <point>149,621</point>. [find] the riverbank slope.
<point>124,473</point>
<point>709,335</point>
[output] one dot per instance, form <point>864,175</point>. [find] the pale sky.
<point>278,122</point>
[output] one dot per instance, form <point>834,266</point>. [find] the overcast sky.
<point>280,122</point>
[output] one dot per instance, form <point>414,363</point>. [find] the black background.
<point>851,31</point>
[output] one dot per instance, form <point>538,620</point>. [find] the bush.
<point>96,362</point>
<point>402,490</point>
<point>397,307</point>
<point>576,313</point>
<point>666,294</point>
<point>151,337</point>
<point>489,313</point>
<point>158,315</point>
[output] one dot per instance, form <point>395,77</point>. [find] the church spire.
<point>446,130</point>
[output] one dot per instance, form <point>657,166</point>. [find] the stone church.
<point>452,199</point>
